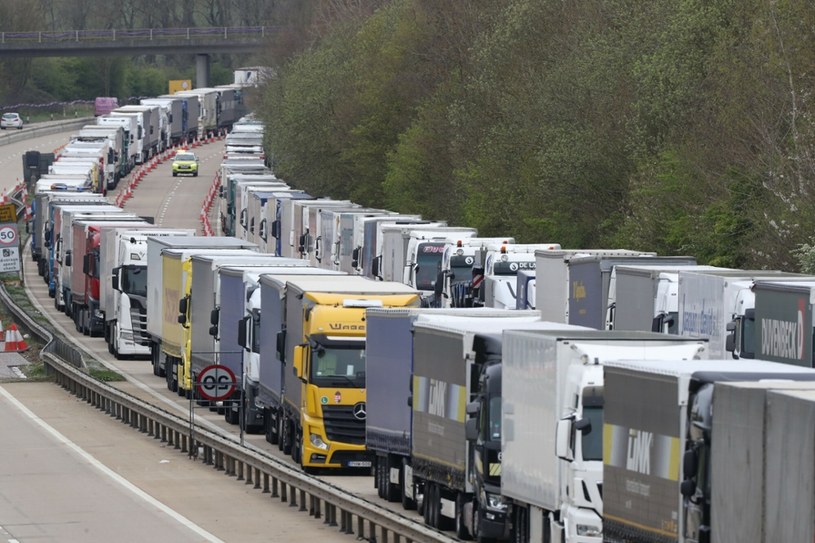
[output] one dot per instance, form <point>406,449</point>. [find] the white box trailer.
<point>552,412</point>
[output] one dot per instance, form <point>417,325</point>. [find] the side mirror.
<point>690,464</point>
<point>182,305</point>
<point>281,346</point>
<point>438,287</point>
<point>68,258</point>
<point>583,426</point>
<point>243,332</point>
<point>261,230</point>
<point>472,408</point>
<point>410,401</point>
<point>355,258</point>
<point>85,264</point>
<point>114,279</point>
<point>213,316</point>
<point>730,339</point>
<point>297,362</point>
<point>471,429</point>
<point>656,324</point>
<point>563,439</point>
<point>687,488</point>
<point>301,244</point>
<point>375,265</point>
<point>182,319</point>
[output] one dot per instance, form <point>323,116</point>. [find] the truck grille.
<point>342,425</point>
<point>138,316</point>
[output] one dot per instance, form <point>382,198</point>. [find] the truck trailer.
<point>319,408</point>
<point>657,433</point>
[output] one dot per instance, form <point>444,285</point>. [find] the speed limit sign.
<point>8,235</point>
<point>216,383</point>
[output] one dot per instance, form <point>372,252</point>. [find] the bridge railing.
<point>141,34</point>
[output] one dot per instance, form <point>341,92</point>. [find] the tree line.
<point>676,126</point>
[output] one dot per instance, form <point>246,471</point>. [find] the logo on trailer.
<point>784,339</point>
<point>639,451</point>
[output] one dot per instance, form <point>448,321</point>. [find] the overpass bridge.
<point>199,41</point>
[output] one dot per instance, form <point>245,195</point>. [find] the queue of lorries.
<point>510,392</point>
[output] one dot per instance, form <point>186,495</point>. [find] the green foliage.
<point>682,127</point>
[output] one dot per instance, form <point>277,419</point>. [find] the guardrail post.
<point>225,36</point>
<point>360,527</point>
<point>283,492</point>
<point>151,34</point>
<point>2,37</point>
<point>257,478</point>
<point>114,34</point>
<point>77,35</point>
<point>302,500</point>
<point>39,37</point>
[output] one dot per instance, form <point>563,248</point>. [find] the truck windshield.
<point>428,262</point>
<point>338,366</point>
<point>592,441</point>
<point>461,269</point>
<point>134,280</point>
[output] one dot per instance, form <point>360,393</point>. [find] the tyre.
<point>230,416</point>
<point>175,174</point>
<point>426,506</point>
<point>378,482</point>
<point>390,491</point>
<point>288,437</point>
<point>271,429</point>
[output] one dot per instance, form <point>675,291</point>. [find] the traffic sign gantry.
<point>216,383</point>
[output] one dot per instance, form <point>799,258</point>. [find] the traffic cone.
<point>14,340</point>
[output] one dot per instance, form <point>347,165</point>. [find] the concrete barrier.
<point>35,130</point>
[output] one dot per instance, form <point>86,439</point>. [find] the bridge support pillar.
<point>201,71</point>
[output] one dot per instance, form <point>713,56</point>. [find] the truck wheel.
<point>230,416</point>
<point>406,488</point>
<point>280,436</point>
<point>520,528</point>
<point>378,477</point>
<point>271,428</point>
<point>390,491</point>
<point>288,437</point>
<point>426,506</point>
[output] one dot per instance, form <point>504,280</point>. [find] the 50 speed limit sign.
<point>216,383</point>
<point>8,235</point>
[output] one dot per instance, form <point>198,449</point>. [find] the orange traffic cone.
<point>14,340</point>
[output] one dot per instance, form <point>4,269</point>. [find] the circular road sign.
<point>8,235</point>
<point>216,383</point>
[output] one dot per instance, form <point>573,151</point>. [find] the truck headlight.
<point>496,503</point>
<point>317,441</point>
<point>587,530</point>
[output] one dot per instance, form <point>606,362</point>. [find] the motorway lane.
<point>70,473</point>
<point>11,156</point>
<point>176,202</point>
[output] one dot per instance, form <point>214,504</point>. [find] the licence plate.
<point>359,463</point>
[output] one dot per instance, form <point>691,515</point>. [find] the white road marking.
<point>178,517</point>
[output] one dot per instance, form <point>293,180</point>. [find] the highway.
<point>216,508</point>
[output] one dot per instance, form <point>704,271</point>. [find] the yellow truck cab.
<point>321,348</point>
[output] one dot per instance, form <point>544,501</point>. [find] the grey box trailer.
<point>742,460</point>
<point>552,298</point>
<point>389,373</point>
<point>189,111</point>
<point>659,410</point>
<point>790,482</point>
<point>206,296</point>
<point>589,278</point>
<point>174,116</point>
